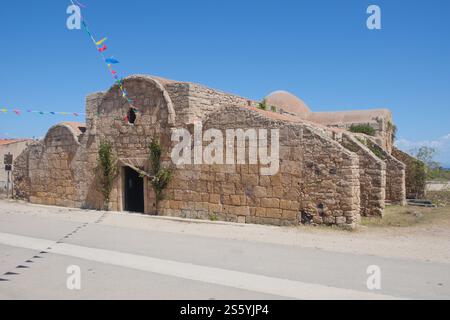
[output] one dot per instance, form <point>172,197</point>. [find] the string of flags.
<point>19,112</point>
<point>110,62</point>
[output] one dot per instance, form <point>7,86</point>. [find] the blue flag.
<point>111,61</point>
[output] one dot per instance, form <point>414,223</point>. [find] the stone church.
<point>327,174</point>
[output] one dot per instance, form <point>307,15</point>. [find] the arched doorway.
<point>133,191</point>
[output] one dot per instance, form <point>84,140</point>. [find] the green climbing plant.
<point>108,171</point>
<point>161,177</point>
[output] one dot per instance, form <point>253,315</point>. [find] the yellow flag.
<point>101,41</point>
<point>4,110</point>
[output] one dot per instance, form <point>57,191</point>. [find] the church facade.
<point>325,173</point>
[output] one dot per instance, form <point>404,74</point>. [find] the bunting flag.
<point>111,61</point>
<point>99,43</point>
<point>19,112</point>
<point>102,48</point>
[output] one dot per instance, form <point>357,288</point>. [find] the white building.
<point>15,148</point>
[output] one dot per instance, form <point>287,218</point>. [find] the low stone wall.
<point>438,186</point>
<point>372,172</point>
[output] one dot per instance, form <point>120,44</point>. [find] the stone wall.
<point>379,120</point>
<point>130,141</point>
<point>395,174</point>
<point>179,94</point>
<point>203,101</point>
<point>372,172</point>
<point>318,180</point>
<point>44,173</point>
<point>415,180</point>
<point>323,177</point>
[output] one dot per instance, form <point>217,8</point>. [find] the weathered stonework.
<point>372,177</point>
<point>326,175</point>
<point>415,174</point>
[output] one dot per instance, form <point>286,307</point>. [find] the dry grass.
<point>440,198</point>
<point>396,216</point>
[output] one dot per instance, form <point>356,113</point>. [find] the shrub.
<point>416,176</point>
<point>108,170</point>
<point>161,176</point>
<point>362,128</point>
<point>263,105</point>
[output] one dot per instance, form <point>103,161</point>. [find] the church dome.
<point>288,102</point>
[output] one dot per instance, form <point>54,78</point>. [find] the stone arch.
<point>64,134</point>
<point>149,80</point>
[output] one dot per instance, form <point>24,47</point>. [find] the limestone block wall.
<point>179,94</point>
<point>372,177</point>
<point>130,141</point>
<point>415,174</point>
<point>395,186</point>
<point>318,179</point>
<point>92,102</point>
<point>44,173</point>
<point>203,101</point>
<point>395,174</point>
<point>21,177</point>
<point>380,120</point>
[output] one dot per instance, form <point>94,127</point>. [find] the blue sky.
<point>319,50</point>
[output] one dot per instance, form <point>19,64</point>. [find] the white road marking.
<point>235,279</point>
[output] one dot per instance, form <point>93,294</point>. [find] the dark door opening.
<point>134,191</point>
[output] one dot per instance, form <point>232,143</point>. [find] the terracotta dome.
<point>288,102</point>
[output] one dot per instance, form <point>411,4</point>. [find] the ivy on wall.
<point>108,171</point>
<point>161,177</point>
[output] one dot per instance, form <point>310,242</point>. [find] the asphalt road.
<point>118,262</point>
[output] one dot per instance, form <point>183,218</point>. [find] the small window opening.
<point>131,116</point>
